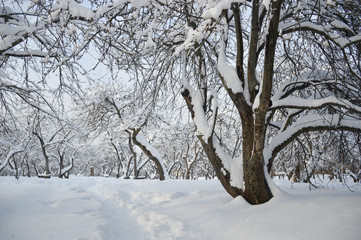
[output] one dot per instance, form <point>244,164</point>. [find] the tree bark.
<point>46,158</point>
<point>210,151</point>
<point>147,152</point>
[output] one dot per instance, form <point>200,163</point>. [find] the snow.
<point>7,41</point>
<point>29,52</point>
<point>341,25</point>
<point>355,39</point>
<point>109,208</point>
<point>233,165</point>
<point>200,119</point>
<point>309,121</point>
<point>66,169</point>
<point>214,11</point>
<point>154,152</point>
<point>331,3</point>
<point>294,102</point>
<point>266,3</point>
<point>75,9</point>
<point>228,73</point>
<point>257,98</point>
<point>150,43</point>
<point>11,153</point>
<point>194,36</point>
<point>325,30</point>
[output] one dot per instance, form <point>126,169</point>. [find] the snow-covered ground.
<point>112,209</point>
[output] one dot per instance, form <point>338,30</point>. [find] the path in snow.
<point>27,211</point>
<point>116,209</point>
<point>41,209</point>
<point>142,205</point>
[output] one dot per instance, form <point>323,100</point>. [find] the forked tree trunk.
<point>256,189</point>
<point>252,107</point>
<point>223,175</point>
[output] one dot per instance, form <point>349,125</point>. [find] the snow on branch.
<point>313,78</point>
<point>31,53</point>
<point>10,41</point>
<point>194,36</point>
<point>230,167</point>
<point>266,3</point>
<point>152,153</point>
<point>300,103</point>
<point>75,9</point>
<point>313,122</point>
<point>10,155</point>
<point>66,169</point>
<point>214,8</point>
<point>15,31</point>
<point>194,98</point>
<point>233,166</point>
<point>228,73</point>
<point>195,101</point>
<point>149,147</point>
<point>322,30</point>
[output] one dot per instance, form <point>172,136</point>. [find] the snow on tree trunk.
<point>10,154</point>
<point>151,152</point>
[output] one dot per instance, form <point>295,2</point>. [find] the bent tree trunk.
<point>151,152</point>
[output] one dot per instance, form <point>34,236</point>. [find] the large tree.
<point>288,67</point>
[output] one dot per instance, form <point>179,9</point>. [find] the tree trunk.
<point>46,158</point>
<point>119,160</point>
<point>223,175</point>
<point>134,157</point>
<point>16,168</point>
<point>256,188</point>
<point>160,169</point>
<point>35,169</point>
<point>61,165</point>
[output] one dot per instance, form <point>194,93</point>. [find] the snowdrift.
<point>111,209</point>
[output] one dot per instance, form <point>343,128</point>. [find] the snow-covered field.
<point>112,209</point>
